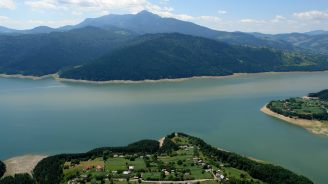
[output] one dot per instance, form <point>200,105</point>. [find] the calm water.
<point>48,117</point>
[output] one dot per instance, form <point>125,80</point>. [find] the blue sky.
<point>266,16</point>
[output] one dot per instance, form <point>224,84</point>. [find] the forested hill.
<point>322,95</point>
<point>178,155</point>
<point>42,54</point>
<point>161,56</point>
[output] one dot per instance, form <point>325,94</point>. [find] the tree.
<point>2,169</point>
<point>18,179</point>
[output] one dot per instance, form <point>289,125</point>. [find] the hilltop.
<point>171,56</point>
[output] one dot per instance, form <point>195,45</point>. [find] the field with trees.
<point>313,107</point>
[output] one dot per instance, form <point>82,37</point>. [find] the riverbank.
<point>313,126</point>
<point>19,76</point>
<point>22,164</point>
<point>58,78</point>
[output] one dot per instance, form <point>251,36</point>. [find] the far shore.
<point>56,77</point>
<point>22,164</point>
<point>20,76</point>
<point>313,126</point>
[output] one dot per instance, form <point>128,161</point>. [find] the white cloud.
<point>8,4</point>
<point>45,4</point>
<point>80,6</point>
<point>252,21</point>
<point>278,18</point>
<point>3,18</point>
<point>222,12</point>
<point>312,15</point>
<point>28,24</point>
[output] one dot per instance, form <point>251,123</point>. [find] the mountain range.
<point>147,46</point>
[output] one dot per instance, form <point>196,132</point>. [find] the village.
<point>185,165</point>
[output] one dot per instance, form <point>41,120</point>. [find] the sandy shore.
<point>19,76</point>
<point>313,126</point>
<point>22,164</point>
<point>56,77</point>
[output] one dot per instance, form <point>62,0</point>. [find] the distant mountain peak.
<point>146,13</point>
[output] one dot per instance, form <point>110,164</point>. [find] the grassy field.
<point>114,164</point>
<point>185,163</point>
<point>301,107</point>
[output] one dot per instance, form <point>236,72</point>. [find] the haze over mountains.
<point>130,43</point>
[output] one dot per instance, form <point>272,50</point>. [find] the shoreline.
<point>22,164</point>
<point>313,126</point>
<point>20,76</point>
<point>57,78</point>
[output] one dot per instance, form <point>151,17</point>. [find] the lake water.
<point>48,117</point>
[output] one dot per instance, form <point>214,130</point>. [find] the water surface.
<point>49,117</point>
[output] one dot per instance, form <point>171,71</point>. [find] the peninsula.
<point>309,112</point>
<point>176,158</point>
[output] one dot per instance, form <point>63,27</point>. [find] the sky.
<point>266,16</point>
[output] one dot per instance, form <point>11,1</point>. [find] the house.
<point>166,173</point>
<point>131,168</point>
<point>99,168</point>
<point>126,172</point>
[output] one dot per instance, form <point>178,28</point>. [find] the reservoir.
<point>50,117</point>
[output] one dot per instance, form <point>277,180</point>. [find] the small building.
<point>126,172</point>
<point>131,168</point>
<point>84,176</point>
<point>99,168</point>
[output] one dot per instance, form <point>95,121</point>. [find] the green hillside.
<point>172,56</point>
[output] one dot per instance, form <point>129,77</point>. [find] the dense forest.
<point>172,56</point>
<point>2,168</point>
<point>50,170</point>
<point>42,54</point>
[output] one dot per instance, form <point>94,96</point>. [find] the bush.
<point>2,169</point>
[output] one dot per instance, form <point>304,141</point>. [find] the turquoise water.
<point>48,117</point>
